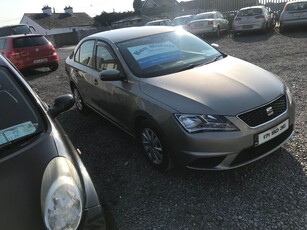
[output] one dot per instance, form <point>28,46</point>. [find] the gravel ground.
<point>268,194</point>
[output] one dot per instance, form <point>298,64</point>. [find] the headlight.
<point>61,195</point>
<point>207,123</point>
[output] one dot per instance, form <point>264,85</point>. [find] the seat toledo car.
<point>27,51</point>
<point>189,104</point>
<point>294,14</point>
<point>44,184</point>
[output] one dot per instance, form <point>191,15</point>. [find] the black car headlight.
<point>205,123</point>
<point>61,195</point>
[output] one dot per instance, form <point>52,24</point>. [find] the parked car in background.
<point>16,29</point>
<point>208,23</point>
<point>29,51</point>
<point>160,22</point>
<point>185,101</point>
<point>229,16</point>
<point>294,14</point>
<point>254,18</point>
<point>182,20</point>
<point>44,182</point>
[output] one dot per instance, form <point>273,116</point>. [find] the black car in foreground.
<point>44,184</point>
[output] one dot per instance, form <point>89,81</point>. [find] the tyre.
<point>154,146</point>
<point>218,32</point>
<point>54,67</point>
<point>79,101</point>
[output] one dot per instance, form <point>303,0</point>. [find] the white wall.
<point>43,31</point>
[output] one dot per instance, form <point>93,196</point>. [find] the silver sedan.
<point>208,23</point>
<point>187,103</point>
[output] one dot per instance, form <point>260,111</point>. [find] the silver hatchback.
<point>293,14</point>
<point>185,101</point>
<point>255,18</point>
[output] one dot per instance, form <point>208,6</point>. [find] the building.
<point>49,23</point>
<point>65,28</point>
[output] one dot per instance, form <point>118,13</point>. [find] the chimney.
<point>47,10</point>
<point>68,10</point>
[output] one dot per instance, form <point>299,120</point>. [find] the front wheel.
<point>218,32</point>
<point>79,101</point>
<point>54,67</point>
<point>154,146</point>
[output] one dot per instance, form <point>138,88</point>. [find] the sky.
<point>12,11</point>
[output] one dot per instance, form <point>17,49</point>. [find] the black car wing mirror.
<point>61,104</point>
<point>111,75</point>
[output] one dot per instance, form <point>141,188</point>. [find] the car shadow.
<point>254,36</point>
<point>36,73</point>
<point>296,32</point>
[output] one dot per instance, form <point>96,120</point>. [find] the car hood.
<point>227,87</point>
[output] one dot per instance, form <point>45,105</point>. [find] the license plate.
<point>247,27</point>
<point>37,61</point>
<point>271,133</point>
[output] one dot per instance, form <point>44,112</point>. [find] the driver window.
<point>104,58</point>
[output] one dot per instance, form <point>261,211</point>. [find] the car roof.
<point>22,35</point>
<point>184,16</point>
<point>252,7</point>
<point>211,12</point>
<point>288,3</point>
<point>128,33</point>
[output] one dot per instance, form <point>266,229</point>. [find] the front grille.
<point>260,115</point>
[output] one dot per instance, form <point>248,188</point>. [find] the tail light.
<point>286,7</point>
<point>238,19</point>
<point>12,54</point>
<point>259,16</point>
<point>210,22</point>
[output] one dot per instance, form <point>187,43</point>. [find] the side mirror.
<point>215,46</point>
<point>61,104</point>
<point>111,75</point>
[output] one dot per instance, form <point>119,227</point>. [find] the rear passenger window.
<point>84,54</point>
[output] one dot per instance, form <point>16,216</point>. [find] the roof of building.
<point>61,20</point>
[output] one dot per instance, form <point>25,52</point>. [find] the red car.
<point>29,51</point>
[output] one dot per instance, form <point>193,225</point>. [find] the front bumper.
<point>227,150</point>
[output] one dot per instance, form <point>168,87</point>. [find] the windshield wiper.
<point>217,57</point>
<point>190,66</point>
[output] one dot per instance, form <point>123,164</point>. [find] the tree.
<point>137,5</point>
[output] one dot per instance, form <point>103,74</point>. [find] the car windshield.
<point>181,20</point>
<point>297,6</point>
<point>249,12</point>
<point>204,16</point>
<point>166,53</point>
<point>18,119</point>
<point>29,41</point>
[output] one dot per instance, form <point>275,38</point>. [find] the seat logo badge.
<point>269,111</point>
